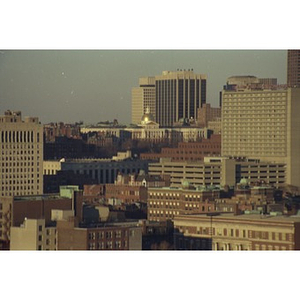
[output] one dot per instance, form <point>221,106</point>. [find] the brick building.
<point>206,113</point>
<point>13,210</point>
<point>237,232</point>
<point>189,150</point>
<point>103,237</point>
<point>166,203</point>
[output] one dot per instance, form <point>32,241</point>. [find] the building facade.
<point>293,68</point>
<point>21,155</point>
<point>238,232</point>
<point>177,96</point>
<point>206,113</point>
<point>189,150</point>
<point>263,124</point>
<point>166,203</point>
<point>108,237</point>
<point>143,98</point>
<point>33,235</point>
<point>220,171</point>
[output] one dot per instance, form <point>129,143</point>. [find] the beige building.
<point>239,232</point>
<point>220,171</point>
<point>33,235</point>
<point>143,98</point>
<point>21,155</point>
<point>263,124</point>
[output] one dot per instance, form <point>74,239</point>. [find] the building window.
<point>40,228</point>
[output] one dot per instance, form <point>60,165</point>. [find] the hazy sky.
<point>93,86</point>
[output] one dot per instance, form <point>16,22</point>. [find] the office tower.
<point>178,95</point>
<point>21,155</point>
<point>143,99</point>
<point>293,68</point>
<point>263,124</point>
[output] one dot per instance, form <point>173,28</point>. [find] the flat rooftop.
<point>243,217</point>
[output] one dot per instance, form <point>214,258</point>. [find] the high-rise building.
<point>263,124</point>
<point>21,155</point>
<point>143,99</point>
<point>293,68</point>
<point>174,96</point>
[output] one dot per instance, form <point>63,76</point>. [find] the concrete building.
<point>293,68</point>
<point>263,124</point>
<point>32,234</point>
<point>220,171</point>
<point>177,95</point>
<point>98,170</point>
<point>21,155</point>
<point>237,232</point>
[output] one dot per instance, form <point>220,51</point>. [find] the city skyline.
<point>95,85</point>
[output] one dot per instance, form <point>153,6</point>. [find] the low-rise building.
<point>237,232</point>
<point>166,203</point>
<point>189,150</point>
<point>220,171</point>
<point>33,234</point>
<point>101,237</point>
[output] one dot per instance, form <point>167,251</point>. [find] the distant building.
<point>293,68</point>
<point>189,150</point>
<point>53,130</point>
<point>143,98</point>
<point>170,96</point>
<point>236,232</point>
<point>206,113</point>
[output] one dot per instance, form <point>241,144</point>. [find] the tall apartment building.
<point>177,95</point>
<point>293,68</point>
<point>263,124</point>
<point>21,155</point>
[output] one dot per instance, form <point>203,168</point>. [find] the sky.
<point>95,85</point>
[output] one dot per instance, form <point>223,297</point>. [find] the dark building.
<point>293,68</point>
<point>104,171</point>
<point>65,147</point>
<point>178,95</point>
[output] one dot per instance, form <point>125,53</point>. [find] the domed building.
<point>147,118</point>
